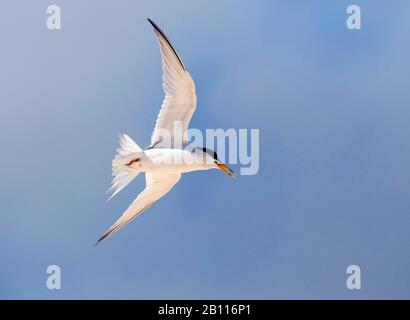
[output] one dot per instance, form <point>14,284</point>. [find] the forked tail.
<point>122,173</point>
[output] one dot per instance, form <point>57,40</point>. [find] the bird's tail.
<point>127,152</point>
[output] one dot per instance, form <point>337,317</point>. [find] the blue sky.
<point>332,107</point>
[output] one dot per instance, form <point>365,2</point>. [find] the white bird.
<point>169,154</point>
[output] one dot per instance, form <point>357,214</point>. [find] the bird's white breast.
<point>171,161</point>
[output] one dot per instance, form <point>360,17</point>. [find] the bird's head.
<point>211,158</point>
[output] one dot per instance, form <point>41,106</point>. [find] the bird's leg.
<point>133,161</point>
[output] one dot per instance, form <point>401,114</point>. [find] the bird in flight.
<point>169,153</point>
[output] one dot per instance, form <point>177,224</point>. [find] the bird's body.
<point>166,160</point>
<point>169,154</point>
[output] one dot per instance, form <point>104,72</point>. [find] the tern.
<point>164,160</point>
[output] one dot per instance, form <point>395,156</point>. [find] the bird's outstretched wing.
<point>180,98</point>
<point>157,185</point>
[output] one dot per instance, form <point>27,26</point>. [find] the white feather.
<point>128,151</point>
<point>180,98</point>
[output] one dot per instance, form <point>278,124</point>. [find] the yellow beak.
<point>224,168</point>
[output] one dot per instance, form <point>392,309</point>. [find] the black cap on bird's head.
<point>211,153</point>
<point>221,166</point>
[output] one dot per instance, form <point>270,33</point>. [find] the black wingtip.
<point>158,30</point>
<point>152,23</point>
<point>100,240</point>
